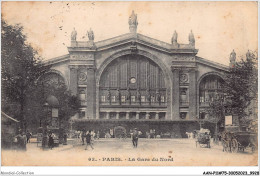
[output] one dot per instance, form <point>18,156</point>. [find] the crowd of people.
<point>86,137</point>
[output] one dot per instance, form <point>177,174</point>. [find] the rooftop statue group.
<point>90,35</point>
<point>132,21</point>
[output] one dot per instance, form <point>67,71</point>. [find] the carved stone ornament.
<point>183,58</point>
<point>183,78</point>
<point>82,76</point>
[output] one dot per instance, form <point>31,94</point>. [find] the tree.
<point>240,86</point>
<point>21,66</point>
<point>23,72</point>
<point>216,110</point>
<point>53,84</point>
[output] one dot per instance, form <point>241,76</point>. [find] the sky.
<point>218,27</point>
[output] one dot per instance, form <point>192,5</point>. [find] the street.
<point>120,152</point>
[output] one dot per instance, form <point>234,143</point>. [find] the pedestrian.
<point>82,137</point>
<point>88,140</point>
<point>51,140</point>
<point>135,138</point>
<point>92,138</point>
<point>94,135</point>
<point>97,134</point>
<point>65,136</point>
<point>28,136</point>
<point>21,141</point>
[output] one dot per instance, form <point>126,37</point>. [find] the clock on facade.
<point>132,80</point>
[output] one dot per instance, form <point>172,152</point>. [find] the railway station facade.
<point>134,81</point>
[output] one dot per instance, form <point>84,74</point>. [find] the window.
<point>183,115</point>
<point>103,98</point>
<point>123,98</point>
<point>132,98</point>
<point>153,99</point>
<point>113,98</point>
<point>162,99</point>
<point>142,98</point>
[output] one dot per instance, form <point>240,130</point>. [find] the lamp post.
<point>45,119</point>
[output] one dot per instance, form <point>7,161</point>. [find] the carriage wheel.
<point>225,146</point>
<point>234,146</point>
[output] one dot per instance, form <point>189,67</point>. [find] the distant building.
<point>135,81</point>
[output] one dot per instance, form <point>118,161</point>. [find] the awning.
<point>7,116</point>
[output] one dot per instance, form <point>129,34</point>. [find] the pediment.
<point>131,38</point>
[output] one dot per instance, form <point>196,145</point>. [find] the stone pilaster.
<point>108,115</point>
<point>73,86</point>
<point>91,93</point>
<point>176,94</point>
<point>192,93</point>
<point>127,115</point>
<point>147,115</point>
<point>117,115</point>
<point>157,116</point>
<point>137,115</point>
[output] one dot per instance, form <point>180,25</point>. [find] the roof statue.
<point>174,37</point>
<point>91,36</point>
<point>232,58</point>
<point>74,35</point>
<point>248,55</point>
<point>191,38</point>
<point>133,22</point>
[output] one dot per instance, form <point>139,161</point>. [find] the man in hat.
<point>88,140</point>
<point>135,137</point>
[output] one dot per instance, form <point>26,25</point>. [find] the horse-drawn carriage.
<point>235,140</point>
<point>203,138</point>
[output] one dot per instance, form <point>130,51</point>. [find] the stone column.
<point>137,115</point>
<point>91,93</point>
<point>117,115</point>
<point>147,116</point>
<point>73,86</point>
<point>157,116</point>
<point>108,115</point>
<point>192,94</point>
<point>176,94</point>
<point>127,115</point>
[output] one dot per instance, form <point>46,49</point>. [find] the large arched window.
<point>209,86</point>
<point>132,80</point>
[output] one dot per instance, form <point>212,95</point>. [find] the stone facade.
<point>150,84</point>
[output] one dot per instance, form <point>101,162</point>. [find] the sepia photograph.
<point>129,83</point>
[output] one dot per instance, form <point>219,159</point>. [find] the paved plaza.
<point>116,152</point>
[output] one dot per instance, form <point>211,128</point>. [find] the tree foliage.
<point>23,91</point>
<point>241,86</point>
<point>52,84</point>
<point>21,66</point>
